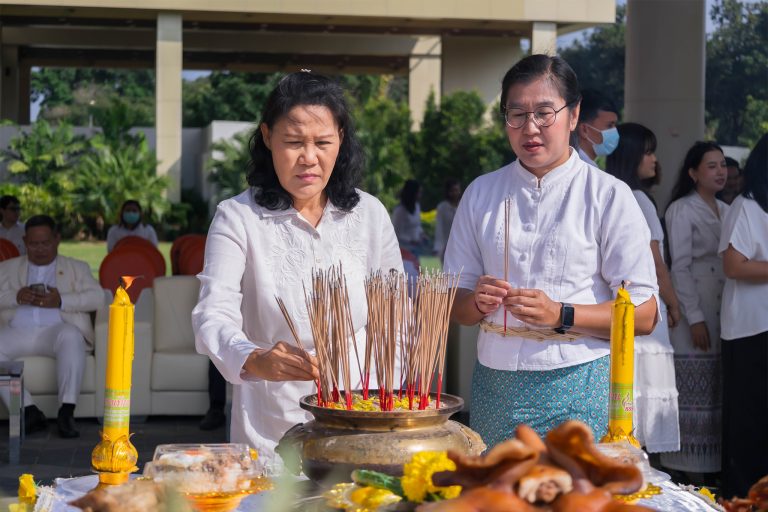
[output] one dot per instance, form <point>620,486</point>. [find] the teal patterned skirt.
<point>501,400</point>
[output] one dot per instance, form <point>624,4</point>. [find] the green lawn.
<point>93,252</point>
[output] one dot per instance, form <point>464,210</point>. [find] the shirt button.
<point>528,227</point>
<point>523,257</point>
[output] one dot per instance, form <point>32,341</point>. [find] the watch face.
<point>567,319</point>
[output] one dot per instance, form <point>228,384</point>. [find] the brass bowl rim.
<point>449,404</point>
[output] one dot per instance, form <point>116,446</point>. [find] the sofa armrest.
<point>142,355</point>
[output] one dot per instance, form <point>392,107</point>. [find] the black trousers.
<point>217,388</point>
<point>745,413</point>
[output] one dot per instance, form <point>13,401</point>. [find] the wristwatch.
<point>566,318</point>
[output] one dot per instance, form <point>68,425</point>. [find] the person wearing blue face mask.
<point>130,224</point>
<point>596,134</point>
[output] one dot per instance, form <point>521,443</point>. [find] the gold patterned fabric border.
<point>649,492</point>
<point>524,332</point>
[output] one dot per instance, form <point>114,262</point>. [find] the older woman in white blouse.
<point>575,233</point>
<point>301,213</point>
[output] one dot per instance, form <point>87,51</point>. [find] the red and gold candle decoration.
<point>114,458</point>
<point>621,398</point>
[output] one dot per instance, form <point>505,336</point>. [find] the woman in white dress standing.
<point>744,315</point>
<point>656,413</point>
<point>406,218</point>
<point>693,222</point>
<point>302,212</point>
<point>446,211</point>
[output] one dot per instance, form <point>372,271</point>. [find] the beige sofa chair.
<point>40,380</point>
<point>169,376</point>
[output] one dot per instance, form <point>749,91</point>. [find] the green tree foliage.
<point>113,171</point>
<point>82,182</point>
<point>226,96</point>
<point>76,95</point>
<point>228,166</point>
<point>737,71</point>
<point>456,141</point>
<point>43,153</point>
<point>384,129</point>
<point>598,58</point>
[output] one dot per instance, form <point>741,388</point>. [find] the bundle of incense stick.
<point>419,325</point>
<point>388,311</point>
<point>330,320</point>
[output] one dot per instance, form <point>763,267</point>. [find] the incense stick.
<point>507,208</point>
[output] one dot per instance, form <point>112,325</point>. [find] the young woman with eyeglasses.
<point>575,233</point>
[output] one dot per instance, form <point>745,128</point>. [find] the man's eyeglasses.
<point>542,116</point>
<point>14,208</point>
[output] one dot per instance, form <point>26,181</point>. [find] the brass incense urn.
<point>338,441</point>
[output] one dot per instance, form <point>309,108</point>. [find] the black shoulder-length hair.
<point>635,141</point>
<point>685,184</point>
<point>305,88</point>
<point>531,68</point>
<point>755,174</point>
<point>409,195</point>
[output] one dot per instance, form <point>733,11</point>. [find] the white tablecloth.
<point>672,497</point>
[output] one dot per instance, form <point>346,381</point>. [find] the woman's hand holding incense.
<point>281,363</point>
<point>489,293</point>
<point>533,307</point>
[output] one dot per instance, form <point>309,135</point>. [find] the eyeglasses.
<point>542,116</point>
<point>14,208</point>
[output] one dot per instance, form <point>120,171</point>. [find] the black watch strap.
<point>566,318</point>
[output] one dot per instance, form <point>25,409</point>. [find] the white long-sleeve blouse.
<point>253,254</point>
<point>694,235</point>
<point>576,234</point>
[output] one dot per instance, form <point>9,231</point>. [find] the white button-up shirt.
<point>33,316</point>
<point>253,254</point>
<point>744,310</point>
<point>118,232</point>
<point>575,235</point>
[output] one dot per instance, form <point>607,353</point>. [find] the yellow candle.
<point>115,457</point>
<point>621,398</point>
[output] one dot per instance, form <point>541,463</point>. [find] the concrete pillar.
<point>25,72</point>
<point>168,101</point>
<point>424,76</point>
<point>9,82</point>
<point>664,78</point>
<point>478,64</point>
<point>544,38</point>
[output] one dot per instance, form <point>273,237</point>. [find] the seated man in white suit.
<point>44,303</point>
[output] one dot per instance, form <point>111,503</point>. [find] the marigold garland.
<point>417,477</point>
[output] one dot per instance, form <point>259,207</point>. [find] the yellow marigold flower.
<point>353,498</point>
<point>27,489</point>
<point>707,494</point>
<point>417,476</point>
